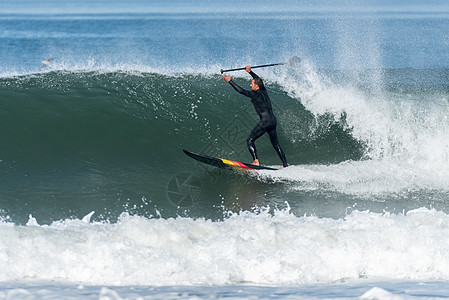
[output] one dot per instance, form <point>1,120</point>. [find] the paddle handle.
<point>261,66</point>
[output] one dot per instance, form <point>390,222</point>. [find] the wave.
<point>324,118</point>
<point>83,114</point>
<point>246,248</point>
<point>111,141</point>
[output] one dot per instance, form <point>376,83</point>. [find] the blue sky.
<point>180,6</point>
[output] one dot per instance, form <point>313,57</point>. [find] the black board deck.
<point>224,163</point>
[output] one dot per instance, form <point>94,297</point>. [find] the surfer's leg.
<point>256,133</point>
<point>275,142</point>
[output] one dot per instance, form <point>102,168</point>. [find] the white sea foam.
<point>257,248</point>
<point>364,178</point>
<point>411,128</point>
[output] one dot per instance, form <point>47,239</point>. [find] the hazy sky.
<point>178,6</point>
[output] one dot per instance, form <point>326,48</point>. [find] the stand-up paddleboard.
<point>224,163</point>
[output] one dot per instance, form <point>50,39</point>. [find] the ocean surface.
<point>98,201</point>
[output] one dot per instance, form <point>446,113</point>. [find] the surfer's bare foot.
<point>256,162</point>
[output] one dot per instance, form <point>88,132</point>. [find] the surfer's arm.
<point>236,86</point>
<point>239,89</point>
<point>248,69</point>
<point>254,75</point>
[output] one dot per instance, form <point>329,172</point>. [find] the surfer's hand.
<point>226,77</point>
<point>248,69</point>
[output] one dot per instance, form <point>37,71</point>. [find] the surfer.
<point>262,105</point>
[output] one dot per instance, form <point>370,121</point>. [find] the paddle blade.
<point>294,62</point>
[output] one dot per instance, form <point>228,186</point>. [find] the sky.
<point>209,6</point>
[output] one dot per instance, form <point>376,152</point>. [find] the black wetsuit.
<point>262,105</point>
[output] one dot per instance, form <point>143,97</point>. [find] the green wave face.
<point>148,118</point>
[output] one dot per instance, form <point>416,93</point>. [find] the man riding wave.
<point>262,105</point>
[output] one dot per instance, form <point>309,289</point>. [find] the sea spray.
<point>406,127</point>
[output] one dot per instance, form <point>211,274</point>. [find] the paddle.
<point>292,62</point>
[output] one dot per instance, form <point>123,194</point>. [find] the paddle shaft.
<point>261,66</point>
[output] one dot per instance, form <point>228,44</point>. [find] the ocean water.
<point>98,201</point>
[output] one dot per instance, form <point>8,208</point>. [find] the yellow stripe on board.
<point>229,162</point>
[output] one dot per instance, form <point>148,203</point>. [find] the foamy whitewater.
<point>248,249</point>
<point>256,248</point>
<point>98,201</point>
